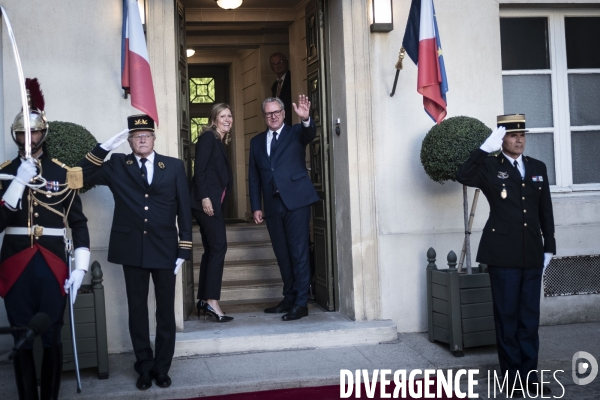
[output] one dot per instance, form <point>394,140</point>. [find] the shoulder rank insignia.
<point>129,162</point>
<point>161,165</point>
<point>502,175</point>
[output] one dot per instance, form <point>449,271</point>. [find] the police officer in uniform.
<point>517,244</point>
<point>33,264</point>
<point>151,202</point>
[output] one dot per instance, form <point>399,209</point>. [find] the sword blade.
<point>72,315</point>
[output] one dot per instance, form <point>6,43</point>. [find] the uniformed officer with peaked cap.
<point>151,234</point>
<point>517,243</point>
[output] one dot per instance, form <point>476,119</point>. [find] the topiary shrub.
<point>445,148</point>
<point>69,143</point>
<point>449,144</point>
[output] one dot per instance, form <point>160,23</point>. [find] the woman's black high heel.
<point>211,311</point>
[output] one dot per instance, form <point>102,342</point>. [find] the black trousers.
<point>137,280</point>
<point>516,295</point>
<point>214,240</point>
<point>289,232</point>
<point>36,290</point>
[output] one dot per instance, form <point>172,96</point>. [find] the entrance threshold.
<point>258,332</point>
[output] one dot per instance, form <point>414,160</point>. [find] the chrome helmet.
<point>37,116</point>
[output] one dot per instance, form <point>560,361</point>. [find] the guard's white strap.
<point>21,230</point>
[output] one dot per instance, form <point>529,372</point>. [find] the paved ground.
<point>231,373</point>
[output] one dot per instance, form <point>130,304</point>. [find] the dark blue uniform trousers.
<point>36,291</point>
<point>516,296</point>
<point>289,232</point>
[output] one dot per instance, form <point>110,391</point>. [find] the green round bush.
<point>69,143</point>
<point>449,144</point>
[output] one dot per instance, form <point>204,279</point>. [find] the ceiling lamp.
<point>229,4</point>
<point>190,52</point>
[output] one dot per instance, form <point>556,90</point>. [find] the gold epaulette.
<point>5,163</point>
<point>74,175</point>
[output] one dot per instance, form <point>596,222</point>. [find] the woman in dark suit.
<point>213,180</point>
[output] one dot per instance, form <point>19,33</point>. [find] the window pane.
<point>585,147</point>
<point>584,99</point>
<point>524,43</point>
<point>202,90</point>
<point>197,124</point>
<point>583,46</point>
<point>540,145</point>
<point>530,95</point>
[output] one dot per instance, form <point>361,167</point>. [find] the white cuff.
<point>306,123</point>
<point>82,258</point>
<point>12,196</point>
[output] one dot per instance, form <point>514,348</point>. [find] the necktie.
<point>273,144</point>
<point>279,86</point>
<point>144,170</point>
<point>516,164</point>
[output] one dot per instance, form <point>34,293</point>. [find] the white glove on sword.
<point>82,262</point>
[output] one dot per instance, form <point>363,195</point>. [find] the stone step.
<point>239,233</point>
<point>237,251</point>
<point>252,290</point>
<point>246,270</point>
<point>257,331</point>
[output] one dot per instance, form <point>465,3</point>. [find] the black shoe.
<point>296,312</point>
<point>283,307</point>
<point>162,380</point>
<point>144,382</point>
<point>207,309</point>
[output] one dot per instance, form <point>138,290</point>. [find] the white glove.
<point>75,281</point>
<point>178,265</point>
<point>116,140</point>
<point>13,194</point>
<point>494,141</point>
<point>547,259</point>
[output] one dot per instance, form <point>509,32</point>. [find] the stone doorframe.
<point>357,249</point>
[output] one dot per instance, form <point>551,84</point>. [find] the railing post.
<point>430,267</point>
<point>455,339</point>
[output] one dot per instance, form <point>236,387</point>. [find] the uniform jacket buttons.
<point>146,208</point>
<point>522,198</point>
<point>493,230</point>
<point>525,224</point>
<point>524,211</point>
<point>145,233</point>
<point>35,203</point>
<point>145,220</point>
<point>146,195</point>
<point>522,184</point>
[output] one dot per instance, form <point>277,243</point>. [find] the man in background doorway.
<point>282,87</point>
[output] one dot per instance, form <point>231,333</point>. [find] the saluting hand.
<point>116,140</point>
<point>494,141</point>
<point>303,107</point>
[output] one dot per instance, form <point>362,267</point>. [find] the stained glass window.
<point>202,90</point>
<point>197,124</point>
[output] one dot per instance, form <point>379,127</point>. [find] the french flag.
<point>423,46</point>
<point>135,65</point>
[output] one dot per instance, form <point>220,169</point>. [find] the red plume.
<point>35,93</point>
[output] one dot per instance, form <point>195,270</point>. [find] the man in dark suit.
<point>282,87</point>
<point>517,244</point>
<point>151,202</point>
<point>277,169</point>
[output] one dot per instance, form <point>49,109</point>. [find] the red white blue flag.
<point>423,46</point>
<point>135,65</point>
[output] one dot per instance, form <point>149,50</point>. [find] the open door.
<point>319,154</point>
<point>183,120</point>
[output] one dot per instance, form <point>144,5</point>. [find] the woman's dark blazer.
<point>212,172</point>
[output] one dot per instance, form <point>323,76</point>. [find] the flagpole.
<point>398,68</point>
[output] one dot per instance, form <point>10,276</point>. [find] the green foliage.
<point>69,143</point>
<point>448,145</point>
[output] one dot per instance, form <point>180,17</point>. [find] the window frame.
<point>559,76</point>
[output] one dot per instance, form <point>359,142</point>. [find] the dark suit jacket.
<point>287,166</point>
<point>285,96</point>
<point>212,173</point>
<point>520,228</point>
<point>14,244</point>
<point>144,231</point>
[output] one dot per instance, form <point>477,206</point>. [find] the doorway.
<point>241,49</point>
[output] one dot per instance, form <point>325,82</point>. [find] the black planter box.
<point>459,306</point>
